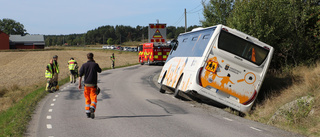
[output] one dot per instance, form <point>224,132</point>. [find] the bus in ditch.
<point>219,63</point>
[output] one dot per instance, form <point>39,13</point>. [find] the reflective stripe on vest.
<point>48,74</point>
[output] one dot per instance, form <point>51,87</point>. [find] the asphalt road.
<point>130,105</point>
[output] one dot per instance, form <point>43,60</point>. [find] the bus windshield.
<point>242,48</point>
<point>192,44</point>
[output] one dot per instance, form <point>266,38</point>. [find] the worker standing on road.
<point>73,66</point>
<point>90,70</point>
<point>56,72</point>
<point>113,59</point>
<point>49,76</point>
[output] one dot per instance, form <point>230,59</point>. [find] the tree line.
<point>110,35</point>
<point>292,27</point>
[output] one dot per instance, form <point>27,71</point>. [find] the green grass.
<point>14,121</point>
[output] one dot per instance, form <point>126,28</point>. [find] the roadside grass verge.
<point>281,89</point>
<point>14,120</point>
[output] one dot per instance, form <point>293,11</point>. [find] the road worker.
<point>56,72</point>
<point>90,70</point>
<point>49,76</point>
<point>73,67</point>
<point>113,59</point>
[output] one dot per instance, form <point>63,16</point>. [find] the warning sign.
<point>212,66</point>
<point>157,34</point>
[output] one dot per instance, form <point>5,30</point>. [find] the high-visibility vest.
<point>72,64</point>
<point>112,58</point>
<point>56,66</point>
<point>48,74</point>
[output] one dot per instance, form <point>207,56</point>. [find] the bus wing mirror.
<point>174,44</point>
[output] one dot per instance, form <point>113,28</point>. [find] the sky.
<point>55,17</point>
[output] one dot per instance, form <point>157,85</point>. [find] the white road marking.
<point>227,119</point>
<point>57,96</point>
<point>48,117</point>
<point>52,104</point>
<point>49,126</point>
<point>54,100</point>
<point>50,110</point>
<point>255,128</point>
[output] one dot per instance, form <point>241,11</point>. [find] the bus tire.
<point>176,93</point>
<point>142,63</point>
<point>161,90</point>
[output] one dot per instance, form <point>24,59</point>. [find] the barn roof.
<point>26,38</point>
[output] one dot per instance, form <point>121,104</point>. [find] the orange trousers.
<point>91,98</point>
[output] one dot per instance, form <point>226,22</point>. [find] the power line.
<point>195,8</point>
<point>179,20</point>
<point>194,11</point>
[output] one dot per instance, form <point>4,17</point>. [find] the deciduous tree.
<point>10,26</point>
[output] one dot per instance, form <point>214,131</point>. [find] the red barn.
<point>27,42</point>
<point>4,41</point>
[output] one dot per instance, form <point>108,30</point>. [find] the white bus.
<point>218,62</point>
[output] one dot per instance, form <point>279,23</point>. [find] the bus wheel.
<point>161,89</point>
<point>176,93</point>
<point>142,63</point>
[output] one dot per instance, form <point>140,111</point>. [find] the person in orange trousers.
<point>90,70</point>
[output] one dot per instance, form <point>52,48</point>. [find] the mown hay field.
<point>25,69</point>
<point>28,68</point>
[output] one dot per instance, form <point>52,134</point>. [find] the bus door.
<point>234,68</point>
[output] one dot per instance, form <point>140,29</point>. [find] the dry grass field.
<point>283,88</point>
<point>25,70</point>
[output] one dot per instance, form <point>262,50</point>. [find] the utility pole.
<point>185,20</point>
